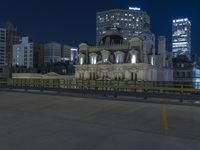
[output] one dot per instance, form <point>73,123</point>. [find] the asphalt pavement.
<point>52,122</point>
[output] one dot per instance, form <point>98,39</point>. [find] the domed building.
<point>118,59</point>
<point>111,37</point>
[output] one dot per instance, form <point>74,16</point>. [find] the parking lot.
<point>48,122</point>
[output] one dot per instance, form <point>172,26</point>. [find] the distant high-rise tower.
<point>130,21</point>
<point>2,46</point>
<point>52,53</point>
<point>23,53</point>
<point>3,53</point>
<point>28,54</point>
<point>11,39</point>
<point>181,37</point>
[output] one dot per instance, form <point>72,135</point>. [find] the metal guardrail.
<point>182,91</point>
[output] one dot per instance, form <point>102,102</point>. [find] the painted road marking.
<point>164,117</point>
<point>89,114</point>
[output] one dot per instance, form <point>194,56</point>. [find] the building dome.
<point>112,36</point>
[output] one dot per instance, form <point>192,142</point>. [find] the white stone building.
<point>117,59</point>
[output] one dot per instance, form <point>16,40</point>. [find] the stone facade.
<point>133,60</point>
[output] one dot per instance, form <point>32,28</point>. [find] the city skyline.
<point>59,21</point>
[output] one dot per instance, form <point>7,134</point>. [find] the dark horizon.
<point>75,22</point>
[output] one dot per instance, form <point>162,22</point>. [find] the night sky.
<point>74,21</point>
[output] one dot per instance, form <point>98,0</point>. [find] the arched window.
<point>119,57</point>
<point>152,60</point>
<point>133,59</point>
<point>93,58</point>
<point>81,59</point>
<point>105,56</point>
<point>133,56</point>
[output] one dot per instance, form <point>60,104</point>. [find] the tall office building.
<point>52,53</point>
<point>11,39</point>
<point>23,53</point>
<point>3,68</point>
<point>38,55</point>
<point>2,46</point>
<point>65,53</point>
<point>130,22</point>
<point>28,54</point>
<point>162,49</point>
<point>69,53</point>
<point>181,37</point>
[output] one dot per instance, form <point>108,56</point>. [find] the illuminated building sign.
<point>181,20</point>
<point>134,8</point>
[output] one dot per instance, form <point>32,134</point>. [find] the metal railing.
<point>172,90</point>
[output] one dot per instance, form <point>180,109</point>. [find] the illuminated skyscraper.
<point>130,22</point>
<point>181,37</point>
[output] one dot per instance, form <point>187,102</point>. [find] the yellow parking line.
<point>89,114</point>
<point>164,117</point>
